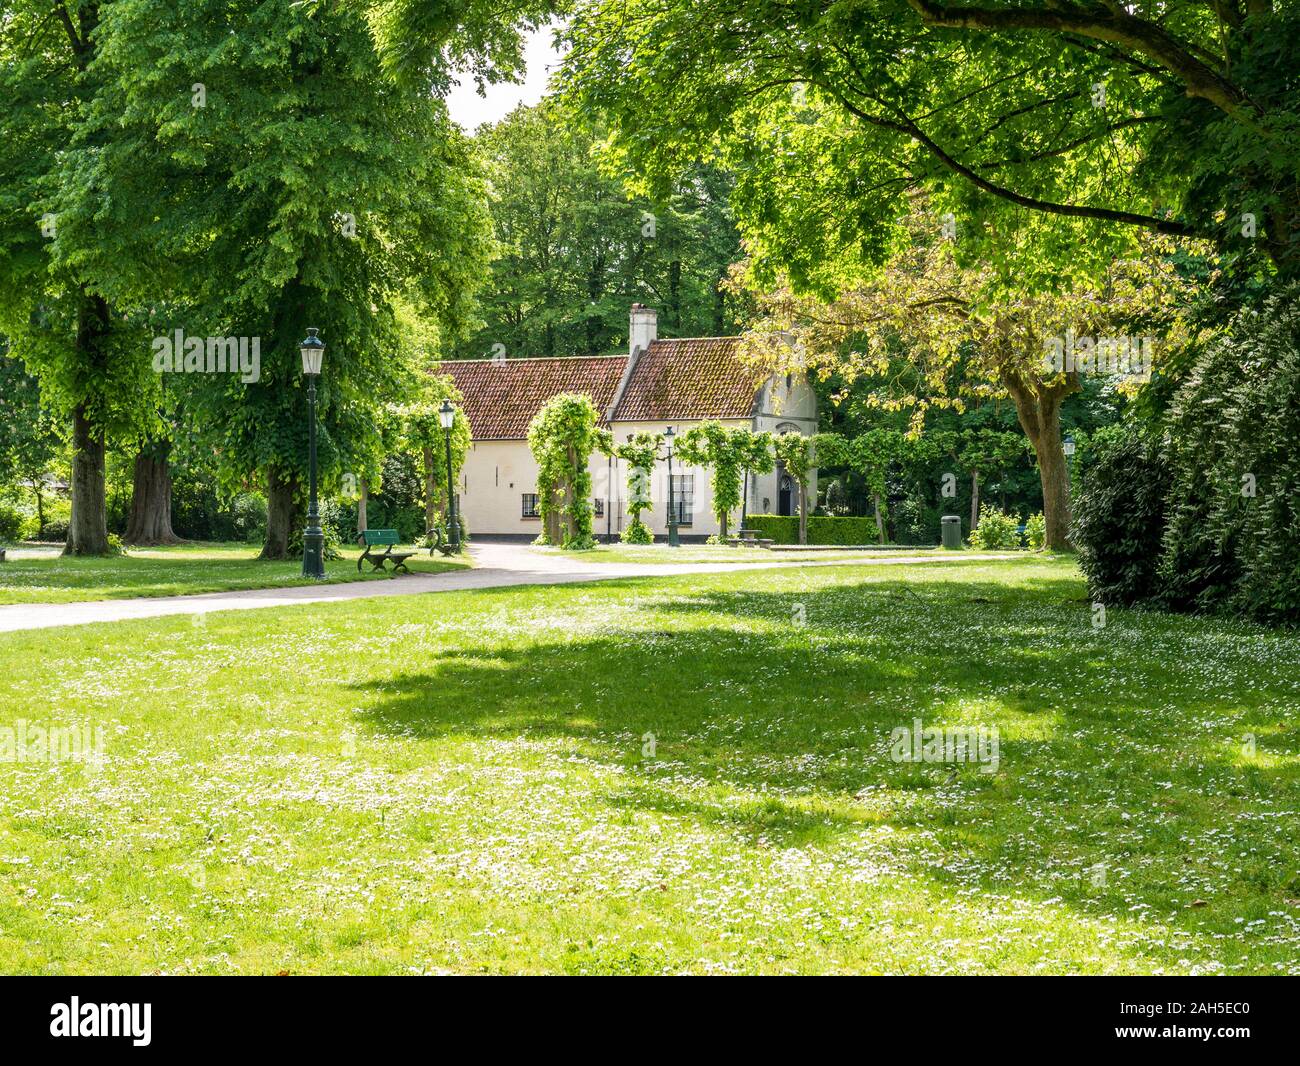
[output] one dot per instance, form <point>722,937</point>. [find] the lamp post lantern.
<point>673,540</point>
<point>313,539</point>
<point>1068,446</point>
<point>447,416</point>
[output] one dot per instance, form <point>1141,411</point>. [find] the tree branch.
<point>1105,214</point>
<point>1113,26</point>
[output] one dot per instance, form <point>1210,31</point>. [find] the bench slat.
<point>380,536</point>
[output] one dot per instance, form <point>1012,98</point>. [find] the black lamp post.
<point>313,539</point>
<point>447,416</point>
<point>673,540</point>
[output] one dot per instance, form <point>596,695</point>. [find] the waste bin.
<point>951,526</point>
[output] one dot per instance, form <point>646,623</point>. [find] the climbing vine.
<point>562,436</point>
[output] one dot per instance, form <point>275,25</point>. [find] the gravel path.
<point>497,565</point>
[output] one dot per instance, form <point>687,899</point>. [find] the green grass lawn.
<point>43,576</point>
<point>687,774</point>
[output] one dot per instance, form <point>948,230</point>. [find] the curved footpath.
<point>496,565</point>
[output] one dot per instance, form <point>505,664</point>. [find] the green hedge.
<point>822,529</point>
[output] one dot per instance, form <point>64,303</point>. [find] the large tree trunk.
<point>570,523</point>
<point>1039,412</point>
<point>1055,476</point>
<point>974,499</point>
<point>150,521</point>
<point>88,527</point>
<point>551,526</point>
<point>281,514</point>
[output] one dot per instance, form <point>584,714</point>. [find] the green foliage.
<point>822,529</point>
<point>329,517</point>
<point>303,191</point>
<point>1119,517</point>
<point>997,530</point>
<point>640,451</point>
<point>729,452</point>
<point>833,117</point>
<point>421,431</point>
<point>562,436</point>
<point>1036,532</point>
<point>1232,541</point>
<point>575,249</point>
<point>636,532</point>
<point>15,522</point>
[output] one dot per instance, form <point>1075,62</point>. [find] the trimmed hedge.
<point>822,529</point>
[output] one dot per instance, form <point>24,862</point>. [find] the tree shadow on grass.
<point>772,711</point>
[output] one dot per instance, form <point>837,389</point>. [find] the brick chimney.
<point>643,327</point>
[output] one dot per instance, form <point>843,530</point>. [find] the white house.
<point>658,384</point>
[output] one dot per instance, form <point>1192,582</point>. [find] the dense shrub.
<point>1036,531</point>
<point>637,532</point>
<point>822,529</point>
<point>996,531</point>
<point>1204,514</point>
<point>398,504</point>
<point>1119,518</point>
<point>199,512</point>
<point>58,516</point>
<point>915,522</point>
<point>15,522</point>
<point>1232,540</point>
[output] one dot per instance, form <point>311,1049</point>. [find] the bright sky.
<point>471,110</point>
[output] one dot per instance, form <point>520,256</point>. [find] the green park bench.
<point>374,538</point>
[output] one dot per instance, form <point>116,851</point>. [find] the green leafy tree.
<point>964,336</point>
<point>575,249</point>
<point>795,453</point>
<point>728,452</point>
<point>423,433</point>
<point>562,436</point>
<point>30,443</point>
<point>1179,118</point>
<point>640,451</point>
<point>267,188</point>
<point>57,311</point>
<point>988,451</point>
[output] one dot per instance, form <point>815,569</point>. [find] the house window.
<point>684,497</point>
<point>598,508</point>
<point>530,506</point>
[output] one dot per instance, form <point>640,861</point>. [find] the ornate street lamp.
<point>673,540</point>
<point>313,539</point>
<point>1068,446</point>
<point>447,416</point>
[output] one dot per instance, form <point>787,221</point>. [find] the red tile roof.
<point>695,377</point>
<point>673,380</point>
<point>502,397</point>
